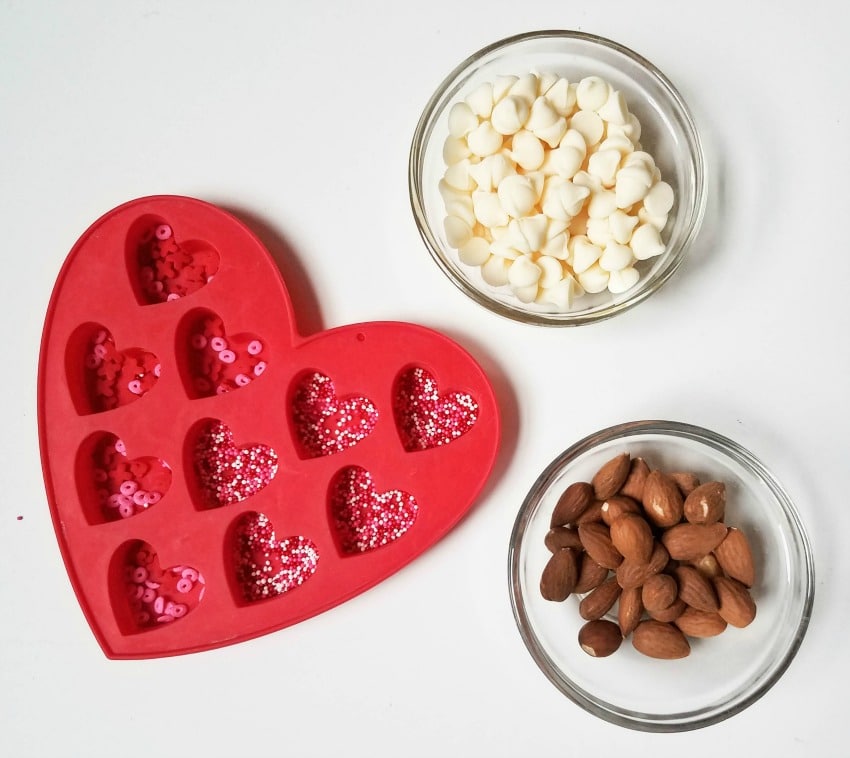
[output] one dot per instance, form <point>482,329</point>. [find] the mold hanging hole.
<point>324,423</point>
<point>426,418</point>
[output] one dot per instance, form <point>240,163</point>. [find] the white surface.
<point>298,117</point>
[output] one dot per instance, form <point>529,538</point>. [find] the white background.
<point>298,117</point>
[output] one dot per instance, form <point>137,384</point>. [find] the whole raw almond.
<point>590,574</point>
<point>629,610</point>
<point>608,480</point>
<point>707,565</point>
<point>572,503</point>
<point>694,623</point>
<point>559,575</point>
<point>659,592</point>
<point>671,613</point>
<point>662,499</point>
<point>634,574</point>
<point>562,536</point>
<point>687,542</point>
<point>592,513</point>
<point>685,481</point>
<point>616,506</point>
<point>596,539</point>
<point>736,558</point>
<point>600,600</point>
<point>706,504</point>
<point>736,604</point>
<point>633,486</point>
<point>659,640</point>
<point>632,536</point>
<point>600,638</point>
<point>695,589</point>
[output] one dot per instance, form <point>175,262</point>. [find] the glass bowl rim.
<point>418,148</point>
<point>676,722</point>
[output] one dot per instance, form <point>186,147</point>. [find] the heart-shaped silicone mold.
<point>329,407</point>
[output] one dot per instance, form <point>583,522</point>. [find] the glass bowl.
<point>723,674</point>
<point>668,133</point>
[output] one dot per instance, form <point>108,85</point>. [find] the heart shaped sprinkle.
<point>126,487</point>
<point>365,519</point>
<point>426,419</point>
<point>326,424</point>
<point>220,364</point>
<point>169,270</point>
<point>115,378</point>
<point>158,596</point>
<point>229,474</point>
<point>266,567</point>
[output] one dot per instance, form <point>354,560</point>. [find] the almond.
<point>600,638</point>
<point>559,575</point>
<point>634,574</point>
<point>685,481</point>
<point>600,600</point>
<point>575,500</point>
<point>632,536</point>
<point>633,486</point>
<point>590,575</point>
<point>608,480</point>
<point>671,613</point>
<point>596,539</point>
<point>706,504</point>
<point>629,610</point>
<point>736,558</point>
<point>660,640</point>
<point>662,500</point>
<point>687,542</point>
<point>561,537</point>
<point>616,506</point>
<point>707,565</point>
<point>659,592</point>
<point>696,623</point>
<point>697,591</point>
<point>592,513</point>
<point>736,604</point>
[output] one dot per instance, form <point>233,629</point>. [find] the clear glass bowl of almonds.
<point>660,576</point>
<point>557,178</point>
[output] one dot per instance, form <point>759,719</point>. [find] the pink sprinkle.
<point>120,448</point>
<point>140,574</point>
<point>152,585</point>
<point>255,347</point>
<point>163,232</point>
<point>178,610</point>
<point>218,344</point>
<point>227,356</point>
<point>259,368</point>
<point>159,604</point>
<point>128,488</point>
<point>135,386</point>
<point>199,341</point>
<point>140,498</point>
<point>157,370</point>
<point>241,379</point>
<point>100,336</point>
<point>92,361</point>
<point>164,619</point>
<point>149,595</point>
<point>184,586</point>
<point>152,497</point>
<point>172,296</point>
<point>126,510</point>
<point>100,350</point>
<point>191,574</point>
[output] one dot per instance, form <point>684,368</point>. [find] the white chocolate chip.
<point>502,85</point>
<point>561,97</point>
<point>517,195</point>
<point>592,92</point>
<point>457,176</point>
<point>537,178</point>
<point>525,88</point>
<point>449,193</point>
<point>604,164</point>
<point>614,110</point>
<point>517,239</point>
<point>503,247</point>
<point>556,247</point>
<point>602,204</point>
<point>561,294</point>
<point>659,199</point>
<point>646,242</point>
<point>595,279</point>
<point>620,281</point>
<point>462,120</point>
<point>552,271</point>
<point>475,252</point>
<point>484,140</point>
<point>542,114</point>
<point>574,138</point>
<point>524,272</point>
<point>480,100</point>
<point>527,151</point>
<point>545,81</point>
<point>491,170</point>
<point>509,115</point>
<point>455,149</point>
<point>533,230</point>
<point>589,125</point>
<point>526,294</point>
<point>616,257</point>
<point>488,209</point>
<point>495,271</point>
<point>562,199</point>
<point>553,133</point>
<point>621,225</point>
<point>583,254</point>
<point>633,182</point>
<point>585,179</point>
<point>458,232</point>
<point>598,231</point>
<point>564,161</point>
<point>618,142</point>
<point>659,222</point>
<point>462,208</point>
<point>641,159</point>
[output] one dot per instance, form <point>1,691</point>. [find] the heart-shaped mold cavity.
<point>226,472</point>
<point>325,424</point>
<point>217,362</point>
<point>425,418</point>
<point>264,566</point>
<point>110,377</point>
<point>163,267</point>
<point>120,485</point>
<point>365,519</point>
<point>153,595</point>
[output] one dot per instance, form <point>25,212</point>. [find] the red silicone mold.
<point>212,475</point>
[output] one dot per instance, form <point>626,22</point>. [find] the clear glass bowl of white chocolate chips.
<point>557,178</point>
